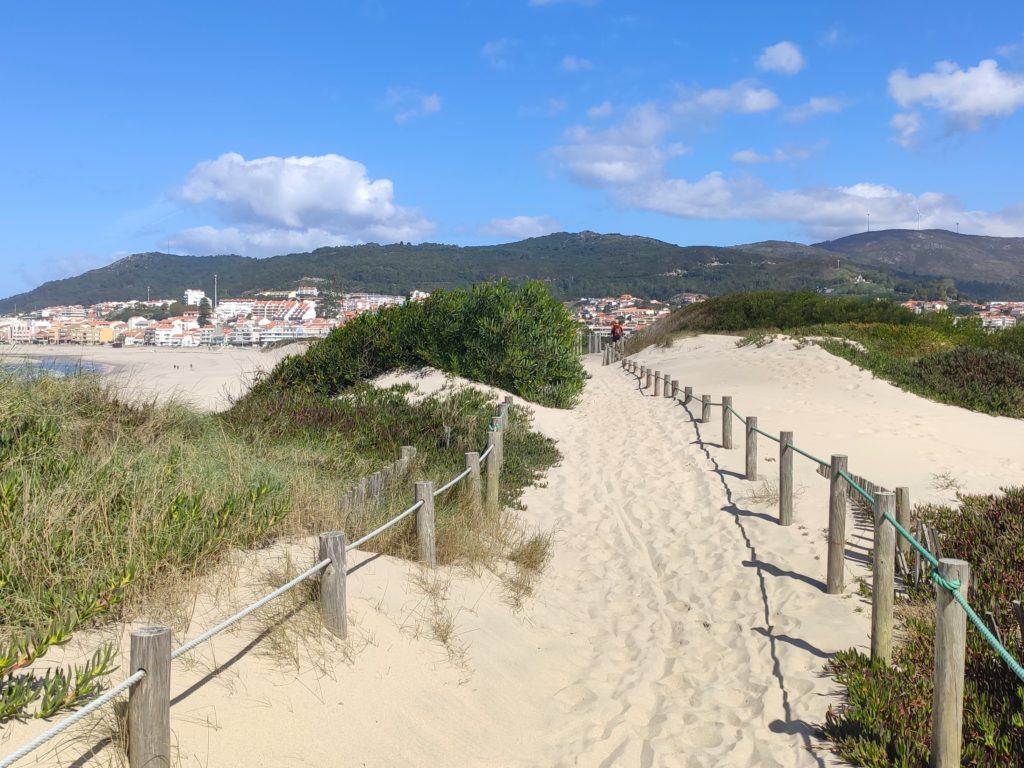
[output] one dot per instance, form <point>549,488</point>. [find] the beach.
<point>206,377</point>
<point>677,624</point>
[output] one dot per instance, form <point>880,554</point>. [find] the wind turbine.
<point>918,217</point>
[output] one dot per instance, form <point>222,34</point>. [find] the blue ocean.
<point>53,366</point>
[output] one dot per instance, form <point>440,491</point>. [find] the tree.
<point>327,306</point>
<point>204,313</point>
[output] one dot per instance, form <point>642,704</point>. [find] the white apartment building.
<point>193,296</point>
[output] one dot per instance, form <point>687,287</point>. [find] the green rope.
<point>853,483</point>
<point>809,456</point>
<point>734,413</point>
<point>986,633</point>
<point>934,561</point>
<point>762,432</point>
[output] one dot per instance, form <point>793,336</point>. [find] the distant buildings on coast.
<point>243,322</point>
<point>635,314</point>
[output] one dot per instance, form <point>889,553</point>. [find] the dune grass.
<point>108,506</point>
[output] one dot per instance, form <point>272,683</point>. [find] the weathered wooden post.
<point>950,649</point>
<point>503,412</point>
<point>705,409</point>
<point>667,388</point>
<point>604,359</point>
<point>473,485</point>
<point>408,457</point>
<point>376,484</point>
<point>657,383</point>
<point>332,583</point>
<point>675,388</point>
<point>883,583</point>
<point>785,478</point>
<point>650,375</point>
<point>425,534</point>
<point>499,445</point>
<point>836,525</point>
<point>903,517</point>
<point>727,422</point>
<point>751,448</point>
<point>687,395</point>
<point>492,471</point>
<point>149,700</point>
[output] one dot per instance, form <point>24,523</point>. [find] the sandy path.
<point>683,667</point>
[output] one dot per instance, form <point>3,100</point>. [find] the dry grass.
<point>767,493</point>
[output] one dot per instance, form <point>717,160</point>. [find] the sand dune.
<point>677,625</point>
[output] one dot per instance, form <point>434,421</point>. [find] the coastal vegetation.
<point>112,506</point>
<point>517,337</point>
<point>941,357</point>
<point>886,719</point>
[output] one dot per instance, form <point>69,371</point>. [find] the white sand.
<point>206,377</point>
<point>677,625</point>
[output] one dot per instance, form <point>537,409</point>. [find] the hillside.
<point>571,264</point>
<point>981,266</point>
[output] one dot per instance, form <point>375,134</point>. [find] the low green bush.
<point>514,337</point>
<point>886,720</point>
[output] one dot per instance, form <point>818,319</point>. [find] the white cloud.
<point>784,57</point>
<point>575,64</point>
<point>967,96</point>
<point>824,211</point>
<point>816,105</point>
<point>408,104</point>
<point>789,154</point>
<point>556,105</point>
<point>273,204</point>
<point>830,37</point>
<point>497,51</point>
<point>521,227</point>
<point>626,153</point>
<point>906,125</point>
<point>604,109</point>
<point>743,97</point>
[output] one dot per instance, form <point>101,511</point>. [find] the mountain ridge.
<point>573,264</point>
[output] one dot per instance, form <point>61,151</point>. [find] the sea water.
<point>52,366</point>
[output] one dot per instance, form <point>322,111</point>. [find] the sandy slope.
<point>677,625</point>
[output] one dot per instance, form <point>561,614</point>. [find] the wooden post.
<point>836,525</point>
<point>687,395</point>
<point>425,534</point>
<point>492,472</point>
<point>667,388</point>
<point>473,485</point>
<point>604,360</point>
<point>705,409</point>
<point>785,478</point>
<point>332,583</point>
<point>675,388</point>
<point>903,516</point>
<point>883,577</point>
<point>149,700</point>
<point>726,422</point>
<point>408,457</point>
<point>376,484</point>
<point>650,374</point>
<point>499,445</point>
<point>751,448</point>
<point>1018,611</point>
<point>503,414</point>
<point>950,649</point>
<point>657,383</point>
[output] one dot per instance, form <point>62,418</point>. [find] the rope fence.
<point>893,541</point>
<point>149,684</point>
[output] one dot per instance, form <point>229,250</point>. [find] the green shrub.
<point>979,379</point>
<point>514,337</point>
<point>886,720</point>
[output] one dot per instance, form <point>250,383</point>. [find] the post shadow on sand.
<point>807,732</point>
<point>216,672</point>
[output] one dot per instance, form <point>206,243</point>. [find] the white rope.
<point>485,454</point>
<point>92,706</point>
<point>246,611</point>
<point>384,527</point>
<point>451,483</point>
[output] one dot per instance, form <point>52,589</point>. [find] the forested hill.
<point>988,267</point>
<point>572,264</point>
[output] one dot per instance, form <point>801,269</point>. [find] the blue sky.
<point>262,128</point>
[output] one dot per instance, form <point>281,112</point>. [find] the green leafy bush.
<point>886,720</point>
<point>514,337</point>
<point>979,379</point>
